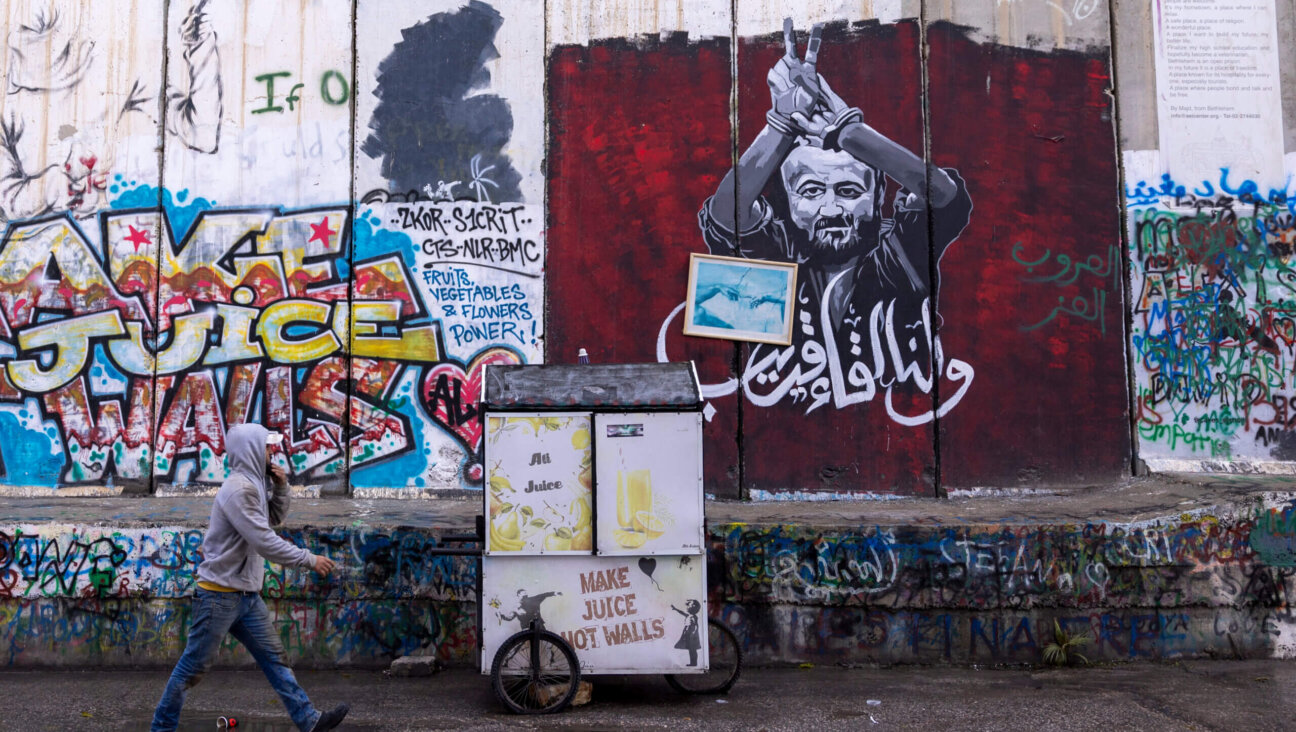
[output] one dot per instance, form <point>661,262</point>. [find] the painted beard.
<point>834,233</point>
<point>839,238</point>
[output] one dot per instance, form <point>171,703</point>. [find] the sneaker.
<point>331,718</point>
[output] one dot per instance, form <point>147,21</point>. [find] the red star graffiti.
<point>138,237</point>
<point>321,232</point>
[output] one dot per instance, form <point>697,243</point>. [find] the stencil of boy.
<point>529,609</point>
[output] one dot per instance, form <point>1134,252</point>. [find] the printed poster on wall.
<point>649,483</point>
<point>620,614</point>
<point>1219,91</point>
<point>538,471</point>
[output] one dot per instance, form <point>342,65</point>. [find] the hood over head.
<point>245,445</point>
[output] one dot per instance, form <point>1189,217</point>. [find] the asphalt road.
<point>1197,695</point>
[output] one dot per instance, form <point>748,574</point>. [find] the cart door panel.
<point>538,482</point>
<point>648,473</point>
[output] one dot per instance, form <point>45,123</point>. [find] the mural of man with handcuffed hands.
<point>864,281</point>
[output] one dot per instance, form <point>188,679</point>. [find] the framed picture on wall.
<point>740,299</point>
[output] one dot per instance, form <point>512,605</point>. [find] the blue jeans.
<point>243,615</point>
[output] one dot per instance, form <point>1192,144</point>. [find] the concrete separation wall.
<point>1165,570</point>
<point>330,217</point>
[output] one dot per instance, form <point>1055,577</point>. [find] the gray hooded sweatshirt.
<point>239,533</point>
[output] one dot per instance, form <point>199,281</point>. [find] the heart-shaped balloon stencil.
<point>452,396</point>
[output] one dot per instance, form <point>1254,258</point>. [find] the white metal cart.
<point>594,556</point>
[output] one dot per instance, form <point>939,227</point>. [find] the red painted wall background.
<point>1038,152</point>
<point>640,136</point>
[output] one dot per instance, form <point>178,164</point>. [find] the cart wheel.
<point>535,672</point>
<point>725,664</point>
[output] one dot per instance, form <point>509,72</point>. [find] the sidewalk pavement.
<point>1192,695</point>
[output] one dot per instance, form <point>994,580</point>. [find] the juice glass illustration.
<point>634,494</point>
<point>635,508</point>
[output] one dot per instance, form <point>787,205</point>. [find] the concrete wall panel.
<point>81,125</point>
<point>863,424</point>
<point>254,241</point>
<point>639,137</point>
<point>1209,238</point>
<point>449,232</point>
<point>1030,297</point>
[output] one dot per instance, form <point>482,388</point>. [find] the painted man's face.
<point>829,193</point>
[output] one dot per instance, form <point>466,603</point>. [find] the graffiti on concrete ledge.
<point>1209,583</point>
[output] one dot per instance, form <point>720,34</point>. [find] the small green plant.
<point>1063,650</point>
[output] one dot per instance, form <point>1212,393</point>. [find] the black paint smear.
<point>1284,445</point>
<point>424,128</point>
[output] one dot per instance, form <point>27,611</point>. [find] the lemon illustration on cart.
<point>540,501</point>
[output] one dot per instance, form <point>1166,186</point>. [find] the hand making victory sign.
<point>806,112</point>
<point>802,101</point>
<point>793,83</point>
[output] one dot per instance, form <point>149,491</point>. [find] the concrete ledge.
<point>1238,467</point>
<point>1128,501</point>
<point>1168,567</point>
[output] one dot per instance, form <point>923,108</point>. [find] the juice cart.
<point>594,555</point>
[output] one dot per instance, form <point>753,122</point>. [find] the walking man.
<point>228,597</point>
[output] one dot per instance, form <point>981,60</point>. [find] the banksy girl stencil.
<point>689,640</point>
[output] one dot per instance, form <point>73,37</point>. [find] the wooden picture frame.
<point>740,299</point>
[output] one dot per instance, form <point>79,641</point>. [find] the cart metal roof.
<point>590,386</point>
